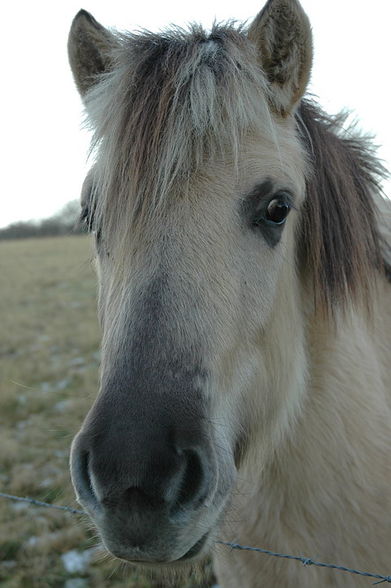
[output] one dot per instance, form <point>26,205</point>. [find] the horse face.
<point>183,312</point>
<point>187,291</point>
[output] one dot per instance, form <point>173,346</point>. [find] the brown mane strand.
<point>339,243</point>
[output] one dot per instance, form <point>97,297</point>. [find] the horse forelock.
<point>172,101</point>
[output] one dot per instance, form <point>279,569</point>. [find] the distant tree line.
<point>64,222</point>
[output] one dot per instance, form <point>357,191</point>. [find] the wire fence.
<point>306,561</point>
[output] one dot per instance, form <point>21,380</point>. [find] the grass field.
<point>49,358</point>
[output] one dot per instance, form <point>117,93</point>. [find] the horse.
<point>243,257</point>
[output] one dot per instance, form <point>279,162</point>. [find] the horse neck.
<point>336,393</point>
<point>305,489</point>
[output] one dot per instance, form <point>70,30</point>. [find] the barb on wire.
<point>304,560</point>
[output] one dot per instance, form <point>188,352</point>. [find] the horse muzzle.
<point>152,500</point>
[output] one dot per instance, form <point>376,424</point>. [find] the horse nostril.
<point>81,478</point>
<point>192,488</point>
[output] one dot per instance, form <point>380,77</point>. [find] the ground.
<point>49,358</point>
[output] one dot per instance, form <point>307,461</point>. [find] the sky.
<point>45,148</point>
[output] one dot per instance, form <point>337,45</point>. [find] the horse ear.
<point>282,35</point>
<point>89,50</point>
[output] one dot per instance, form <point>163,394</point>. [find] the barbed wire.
<point>306,561</point>
<point>40,503</point>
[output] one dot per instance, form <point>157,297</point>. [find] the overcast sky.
<point>44,147</point>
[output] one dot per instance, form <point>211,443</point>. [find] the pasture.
<point>49,358</point>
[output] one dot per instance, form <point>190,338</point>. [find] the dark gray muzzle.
<point>142,464</point>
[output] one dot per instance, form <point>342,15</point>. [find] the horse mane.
<point>176,99</point>
<point>340,241</point>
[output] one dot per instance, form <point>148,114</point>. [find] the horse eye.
<point>277,210</point>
